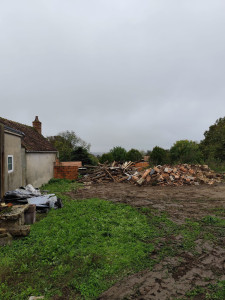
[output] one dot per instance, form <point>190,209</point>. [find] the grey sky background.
<point>131,73</point>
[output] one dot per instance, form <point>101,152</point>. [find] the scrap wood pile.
<point>183,174</point>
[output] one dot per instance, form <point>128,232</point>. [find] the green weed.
<point>216,291</point>
<point>84,247</point>
<point>79,251</point>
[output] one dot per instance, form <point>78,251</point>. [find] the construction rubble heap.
<point>183,174</point>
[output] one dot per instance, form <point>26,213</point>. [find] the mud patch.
<point>179,202</point>
<point>172,277</point>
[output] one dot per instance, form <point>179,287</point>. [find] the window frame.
<point>11,170</point>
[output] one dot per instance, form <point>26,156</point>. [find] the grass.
<point>211,292</point>
<point>79,251</point>
<point>217,166</point>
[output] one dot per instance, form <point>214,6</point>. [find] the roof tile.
<point>32,140</point>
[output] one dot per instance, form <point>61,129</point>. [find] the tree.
<point>213,145</point>
<point>81,154</point>
<point>134,155</point>
<point>185,151</point>
<point>106,157</point>
<point>74,140</point>
<point>119,154</point>
<point>66,142</point>
<point>148,152</point>
<point>63,146</point>
<point>159,156</point>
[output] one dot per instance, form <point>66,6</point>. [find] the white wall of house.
<point>23,157</point>
<point>12,147</point>
<point>39,168</point>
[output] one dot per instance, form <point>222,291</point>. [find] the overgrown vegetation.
<point>159,156</point>
<point>133,155</point>
<point>210,151</point>
<point>72,148</point>
<point>120,154</point>
<point>185,151</point>
<point>79,251</point>
<point>213,145</point>
<point>106,157</point>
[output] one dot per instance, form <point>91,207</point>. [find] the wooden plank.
<point>110,175</point>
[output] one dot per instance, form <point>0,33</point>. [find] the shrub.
<point>133,155</point>
<point>106,157</point>
<point>159,156</point>
<point>81,154</point>
<point>119,154</point>
<point>213,146</point>
<point>94,159</point>
<point>185,151</point>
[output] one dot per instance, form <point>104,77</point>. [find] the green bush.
<point>119,154</point>
<point>94,159</point>
<point>81,154</point>
<point>133,155</point>
<point>159,156</point>
<point>185,151</point>
<point>213,145</point>
<point>216,165</point>
<point>66,142</point>
<point>106,157</point>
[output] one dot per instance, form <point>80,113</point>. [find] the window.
<point>10,163</point>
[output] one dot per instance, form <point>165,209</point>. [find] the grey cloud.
<point>130,73</point>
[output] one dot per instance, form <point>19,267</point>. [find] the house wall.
<point>12,146</point>
<point>23,157</point>
<point>39,168</point>
<point>1,161</point>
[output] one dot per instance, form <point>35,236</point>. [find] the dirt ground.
<point>174,276</point>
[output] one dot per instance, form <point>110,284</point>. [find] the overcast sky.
<point>131,73</point>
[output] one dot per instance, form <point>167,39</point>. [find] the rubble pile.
<point>113,172</point>
<point>183,174</point>
<point>32,196</point>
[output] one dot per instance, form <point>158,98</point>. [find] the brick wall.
<point>66,172</point>
<point>68,163</point>
<point>141,165</point>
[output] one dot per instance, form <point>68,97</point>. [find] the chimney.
<point>37,125</point>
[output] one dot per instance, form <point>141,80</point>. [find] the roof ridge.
<point>16,122</point>
<point>33,141</point>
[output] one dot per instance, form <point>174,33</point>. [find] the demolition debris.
<point>183,174</point>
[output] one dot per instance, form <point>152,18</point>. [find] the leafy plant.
<point>106,157</point>
<point>216,291</point>
<point>213,145</point>
<point>81,154</point>
<point>159,156</point>
<point>82,248</point>
<point>119,154</point>
<point>185,151</point>
<point>133,155</point>
<point>66,142</point>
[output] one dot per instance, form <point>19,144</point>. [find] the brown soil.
<point>172,277</point>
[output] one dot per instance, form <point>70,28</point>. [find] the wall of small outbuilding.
<point>39,168</point>
<point>12,146</point>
